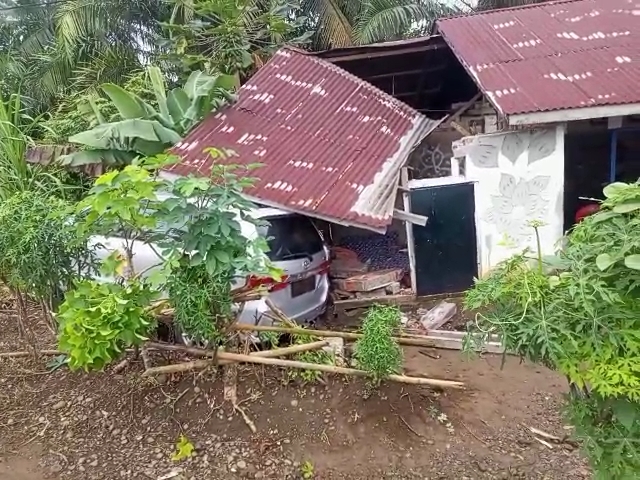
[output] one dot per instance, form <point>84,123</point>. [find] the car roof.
<point>264,212</point>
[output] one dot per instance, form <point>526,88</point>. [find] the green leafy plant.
<point>307,470</point>
<point>17,129</point>
<point>232,36</point>
<point>184,449</point>
<point>269,339</point>
<point>192,225</point>
<point>81,111</point>
<point>139,129</point>
<point>320,357</point>
<point>98,321</point>
<point>41,253</point>
<point>203,217</point>
<point>377,352</point>
<point>578,313</point>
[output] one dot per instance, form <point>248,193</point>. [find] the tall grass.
<point>16,174</point>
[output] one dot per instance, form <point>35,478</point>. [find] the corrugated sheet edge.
<point>377,200</point>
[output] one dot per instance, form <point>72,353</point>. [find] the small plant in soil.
<point>184,449</point>
<point>307,470</point>
<point>377,352</point>
<point>317,356</point>
<point>100,320</point>
<point>579,313</point>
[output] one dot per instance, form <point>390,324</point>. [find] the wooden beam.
<point>409,217</point>
<point>404,73</point>
<point>463,108</point>
<point>460,129</point>
<point>409,94</point>
<point>389,53</point>
<point>411,246</point>
<point>367,302</point>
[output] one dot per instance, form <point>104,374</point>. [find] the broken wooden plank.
<point>456,334</point>
<point>370,281</point>
<point>438,315</point>
<point>366,302</point>
<point>412,218</point>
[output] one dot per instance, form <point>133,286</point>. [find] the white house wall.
<point>519,178</point>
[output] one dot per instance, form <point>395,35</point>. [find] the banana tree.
<point>140,129</point>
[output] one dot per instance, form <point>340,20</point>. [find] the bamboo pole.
<point>414,340</point>
<point>274,353</point>
<point>26,354</point>
<point>277,362</point>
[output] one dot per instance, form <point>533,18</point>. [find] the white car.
<point>295,246</point>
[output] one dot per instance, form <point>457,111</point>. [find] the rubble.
<point>438,315</point>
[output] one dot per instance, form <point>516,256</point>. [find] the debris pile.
<point>425,320</point>
<point>351,278</point>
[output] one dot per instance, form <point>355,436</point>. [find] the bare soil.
<point>103,426</point>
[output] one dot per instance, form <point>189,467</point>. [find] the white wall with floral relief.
<point>519,178</point>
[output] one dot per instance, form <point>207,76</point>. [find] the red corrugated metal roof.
<point>331,145</point>
<point>554,55</point>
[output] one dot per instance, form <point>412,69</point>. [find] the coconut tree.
<point>63,45</point>
<point>342,23</point>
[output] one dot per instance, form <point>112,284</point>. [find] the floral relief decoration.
<point>519,202</point>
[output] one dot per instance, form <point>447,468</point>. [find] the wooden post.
<point>411,247</point>
<point>455,167</point>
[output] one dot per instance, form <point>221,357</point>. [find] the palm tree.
<point>61,45</point>
<point>343,23</point>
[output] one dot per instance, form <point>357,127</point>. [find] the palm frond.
<point>383,20</point>
<point>112,65</point>
<point>333,28</point>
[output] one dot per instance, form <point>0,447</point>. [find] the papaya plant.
<point>580,315</point>
<point>139,129</point>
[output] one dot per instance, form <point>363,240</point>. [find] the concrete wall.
<point>519,177</point>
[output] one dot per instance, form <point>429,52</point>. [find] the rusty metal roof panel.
<point>331,144</point>
<point>551,56</point>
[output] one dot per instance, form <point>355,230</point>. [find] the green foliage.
<point>609,430</point>
<point>81,111</point>
<point>344,23</point>
<point>66,47</point>
<point>377,352</point>
<point>320,357</point>
<point>270,339</point>
<point>98,321</point>
<point>203,218</point>
<point>123,201</point>
<point>138,129</point>
<point>16,130</point>
<point>192,224</point>
<point>202,303</point>
<point>40,251</point>
<point>231,36</point>
<point>579,313</point>
<point>307,470</point>
<point>184,449</point>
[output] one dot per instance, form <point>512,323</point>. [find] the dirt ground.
<point>102,426</point>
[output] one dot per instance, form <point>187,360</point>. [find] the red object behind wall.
<point>585,211</point>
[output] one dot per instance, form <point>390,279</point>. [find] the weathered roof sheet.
<point>331,144</point>
<point>550,56</point>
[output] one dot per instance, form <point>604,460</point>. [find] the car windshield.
<point>290,237</point>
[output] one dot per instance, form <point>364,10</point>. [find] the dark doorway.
<point>445,248</point>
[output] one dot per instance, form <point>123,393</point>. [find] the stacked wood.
<point>369,285</point>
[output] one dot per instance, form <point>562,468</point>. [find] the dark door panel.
<point>445,248</point>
